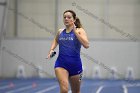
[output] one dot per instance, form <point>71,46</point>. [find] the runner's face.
<point>68,19</point>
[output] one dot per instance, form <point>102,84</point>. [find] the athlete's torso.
<point>69,45</point>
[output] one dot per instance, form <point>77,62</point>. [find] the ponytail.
<point>78,23</point>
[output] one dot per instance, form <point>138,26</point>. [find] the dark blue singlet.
<point>69,53</point>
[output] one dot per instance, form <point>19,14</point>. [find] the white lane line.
<point>8,85</point>
<point>15,84</point>
<point>48,89</point>
<point>125,90</point>
<point>132,85</point>
<point>99,89</point>
<point>20,89</point>
<point>4,87</point>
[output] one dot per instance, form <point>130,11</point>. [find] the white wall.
<point>119,54</point>
<point>34,51</point>
<point>42,12</point>
<point>111,53</point>
<point>114,13</point>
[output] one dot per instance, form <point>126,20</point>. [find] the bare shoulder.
<point>60,30</point>
<point>80,30</point>
<point>58,33</point>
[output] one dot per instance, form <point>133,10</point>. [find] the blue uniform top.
<point>69,45</point>
<point>69,53</point>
